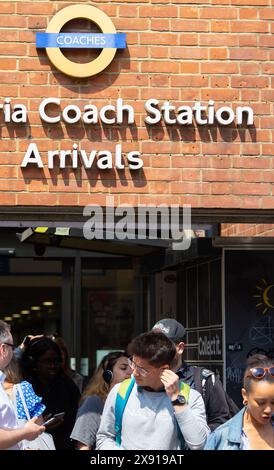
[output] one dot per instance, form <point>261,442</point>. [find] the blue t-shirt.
<point>33,402</point>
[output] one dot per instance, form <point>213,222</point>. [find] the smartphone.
<point>54,418</point>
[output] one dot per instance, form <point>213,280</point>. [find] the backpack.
<point>200,381</point>
<point>122,397</point>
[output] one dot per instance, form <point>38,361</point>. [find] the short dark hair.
<point>4,331</point>
<point>155,347</point>
<point>257,360</point>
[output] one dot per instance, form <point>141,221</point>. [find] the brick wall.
<point>247,230</point>
<point>182,51</point>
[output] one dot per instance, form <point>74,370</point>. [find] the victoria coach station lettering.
<point>53,112</point>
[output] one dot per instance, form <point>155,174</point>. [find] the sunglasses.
<point>260,372</point>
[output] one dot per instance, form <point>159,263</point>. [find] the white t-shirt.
<point>7,415</point>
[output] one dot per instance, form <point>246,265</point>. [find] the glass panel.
<point>203,289</point>
<point>215,293</point>
<point>182,298</point>
<point>192,297</point>
<point>108,309</point>
<point>30,295</point>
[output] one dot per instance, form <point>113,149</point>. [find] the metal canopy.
<point>198,215</point>
<point>244,242</point>
<point>72,238</point>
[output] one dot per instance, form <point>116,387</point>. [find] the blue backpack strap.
<point>184,391</point>
<point>120,404</point>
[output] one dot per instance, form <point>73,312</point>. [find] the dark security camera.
<point>39,249</point>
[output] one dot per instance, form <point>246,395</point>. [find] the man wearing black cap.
<point>203,380</point>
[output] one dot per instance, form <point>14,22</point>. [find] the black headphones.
<point>29,359</point>
<point>107,376</point>
<point>108,362</point>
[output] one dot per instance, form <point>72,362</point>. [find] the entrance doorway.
<point>30,296</point>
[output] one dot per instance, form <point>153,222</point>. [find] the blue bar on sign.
<point>81,40</point>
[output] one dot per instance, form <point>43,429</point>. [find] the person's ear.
<point>245,396</point>
<point>165,367</point>
<point>180,348</point>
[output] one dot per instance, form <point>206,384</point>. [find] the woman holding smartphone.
<point>253,427</point>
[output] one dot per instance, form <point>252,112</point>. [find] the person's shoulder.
<point>194,395</point>
<point>66,382</point>
<point>26,386</point>
<point>91,401</point>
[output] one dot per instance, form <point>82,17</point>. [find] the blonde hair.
<point>97,385</point>
<point>13,372</point>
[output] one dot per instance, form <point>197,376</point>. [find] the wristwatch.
<point>179,400</point>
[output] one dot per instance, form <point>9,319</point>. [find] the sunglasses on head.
<point>260,372</point>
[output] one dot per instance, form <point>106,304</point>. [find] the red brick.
<point>7,7</point>
<point>248,40</point>
<point>189,81</point>
<point>266,14</point>
<point>248,54</point>
<point>13,22</point>
<point>35,8</point>
<point>8,199</point>
<point>158,12</point>
<point>220,67</point>
<point>251,188</point>
<point>160,25</point>
<point>37,199</point>
<point>218,53</point>
<point>248,13</point>
<point>8,64</point>
<point>11,49</point>
<point>218,26</point>
<point>250,82</point>
<point>249,26</point>
<point>189,25</point>
<point>214,12</point>
<point>218,40</point>
<point>188,12</point>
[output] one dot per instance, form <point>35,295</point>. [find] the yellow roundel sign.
<point>65,65</point>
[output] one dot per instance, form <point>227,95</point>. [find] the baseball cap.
<point>171,328</point>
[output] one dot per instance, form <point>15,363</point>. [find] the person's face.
<point>121,371</point>
<point>145,374</point>
<point>260,400</point>
<point>48,366</point>
<point>6,352</point>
